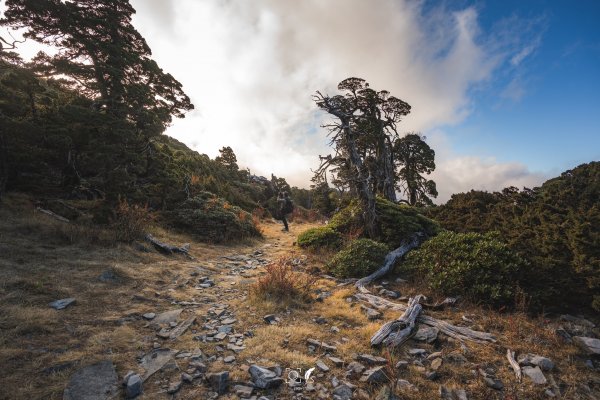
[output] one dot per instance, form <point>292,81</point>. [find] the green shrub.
<point>476,266</point>
<point>358,259</point>
<point>212,219</point>
<point>322,237</point>
<point>397,222</point>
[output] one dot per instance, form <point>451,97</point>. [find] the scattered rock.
<point>372,314</point>
<point>403,384</point>
<point>372,360</point>
<point>219,381</point>
<point>322,366</point>
<point>62,303</point>
<point>338,362</point>
<point>578,321</point>
<point>432,375</point>
<point>108,276</point>
<point>491,380</point>
<point>175,385</point>
<point>588,344</point>
<point>402,364</point>
<point>417,352</point>
<point>535,374</point>
<point>155,360</point>
<point>94,382</point>
<point>270,319</point>
<point>243,391</point>
<point>355,369</point>
<point>426,334</point>
<point>264,378</point>
<point>178,331</point>
<point>229,321</point>
<point>320,320</point>
<point>452,394</point>
<point>168,316</point>
<point>133,385</point>
<point>343,392</point>
<point>149,316</point>
<point>229,359</point>
<point>534,360</point>
<point>375,375</point>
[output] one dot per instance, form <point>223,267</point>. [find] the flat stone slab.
<point>535,374</point>
<point>156,360</point>
<point>588,344</point>
<point>62,303</point>
<point>181,328</point>
<point>168,316</point>
<point>94,382</point>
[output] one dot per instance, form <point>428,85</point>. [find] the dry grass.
<point>38,266</point>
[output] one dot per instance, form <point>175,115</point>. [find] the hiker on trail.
<point>285,207</point>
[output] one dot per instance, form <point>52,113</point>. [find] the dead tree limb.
<point>394,333</point>
<point>514,364</point>
<point>456,332</point>
<point>53,215</point>
<point>167,248</point>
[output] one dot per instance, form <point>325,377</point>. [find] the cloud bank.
<point>252,67</point>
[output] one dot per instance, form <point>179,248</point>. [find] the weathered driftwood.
<point>456,332</point>
<point>53,215</point>
<point>394,333</point>
<point>167,248</point>
<point>514,364</point>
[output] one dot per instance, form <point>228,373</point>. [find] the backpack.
<point>288,207</point>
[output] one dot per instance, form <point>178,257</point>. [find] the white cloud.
<point>252,67</point>
<point>456,173</point>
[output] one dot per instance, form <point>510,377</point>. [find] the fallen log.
<point>167,248</point>
<point>398,328</point>
<point>394,333</point>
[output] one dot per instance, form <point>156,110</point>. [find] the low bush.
<point>132,221</point>
<point>212,219</point>
<point>358,259</point>
<point>397,222</point>
<point>321,237</point>
<point>283,285</point>
<point>477,266</point>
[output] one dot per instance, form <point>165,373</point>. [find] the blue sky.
<point>552,120</point>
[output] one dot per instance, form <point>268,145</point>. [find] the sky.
<point>507,92</point>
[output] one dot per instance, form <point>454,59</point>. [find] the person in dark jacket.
<point>285,207</point>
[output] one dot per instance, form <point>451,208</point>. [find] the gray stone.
<point>494,383</point>
<point>62,303</point>
<point>94,382</point>
<point>243,391</point>
<point>402,364</point>
<point>225,328</point>
<point>320,320</point>
<point>270,319</point>
<point>534,360</point>
<point>338,362</point>
<point>179,330</point>
<point>373,314</point>
<point>155,360</point>
<point>149,315</point>
<point>220,336</point>
<point>343,392</point>
<point>403,384</point>
<point>108,276</point>
<point>535,374</point>
<point>328,348</point>
<point>578,321</point>
<point>372,360</point>
<point>321,365</point>
<point>355,368</point>
<point>374,375</point>
<point>133,386</point>
<point>168,316</point>
<point>264,378</point>
<point>219,381</point>
<point>417,352</point>
<point>426,334</point>
<point>229,321</point>
<point>313,342</point>
<point>174,386</point>
<point>588,344</point>
<point>229,359</point>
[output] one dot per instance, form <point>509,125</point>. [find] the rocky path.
<point>200,336</point>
